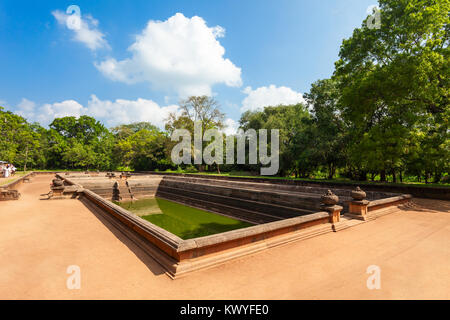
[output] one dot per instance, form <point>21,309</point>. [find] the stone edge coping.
<point>257,229</point>
<point>160,234</point>
<point>181,245</point>
<point>389,200</point>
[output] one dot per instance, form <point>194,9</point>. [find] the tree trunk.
<point>331,171</point>
<point>26,160</point>
<point>394,177</point>
<point>383,175</point>
<point>437,176</point>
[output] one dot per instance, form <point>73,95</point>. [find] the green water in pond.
<point>183,221</point>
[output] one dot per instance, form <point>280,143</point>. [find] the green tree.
<point>394,78</point>
<point>201,109</point>
<point>293,122</point>
<point>328,132</point>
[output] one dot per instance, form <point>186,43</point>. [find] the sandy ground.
<point>39,239</point>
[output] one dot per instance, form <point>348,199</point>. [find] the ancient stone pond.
<point>188,222</point>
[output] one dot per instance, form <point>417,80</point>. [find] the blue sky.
<point>273,51</point>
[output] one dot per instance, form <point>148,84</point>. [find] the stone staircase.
<point>122,191</point>
<point>247,202</point>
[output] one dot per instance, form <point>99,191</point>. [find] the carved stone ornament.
<point>330,199</point>
<point>358,194</point>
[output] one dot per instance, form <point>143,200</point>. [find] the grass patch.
<point>183,221</point>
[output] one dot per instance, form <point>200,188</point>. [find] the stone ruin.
<point>6,195</point>
<point>61,191</point>
<point>291,211</point>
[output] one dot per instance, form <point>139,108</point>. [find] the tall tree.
<point>394,78</point>
<point>201,109</point>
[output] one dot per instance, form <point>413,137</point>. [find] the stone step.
<point>233,212</point>
<point>265,208</point>
<point>302,202</point>
<point>279,212</point>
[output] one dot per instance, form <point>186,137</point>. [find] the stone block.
<point>6,195</point>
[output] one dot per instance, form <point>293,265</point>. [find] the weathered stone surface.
<point>329,198</point>
<point>359,208</point>
<point>6,195</point>
<point>358,194</point>
<point>57,182</point>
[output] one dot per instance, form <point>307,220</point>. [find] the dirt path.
<point>39,239</point>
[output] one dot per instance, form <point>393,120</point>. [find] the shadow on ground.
<point>150,262</point>
<point>426,205</point>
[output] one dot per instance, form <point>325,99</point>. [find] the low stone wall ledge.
<point>257,230</point>
<point>375,203</point>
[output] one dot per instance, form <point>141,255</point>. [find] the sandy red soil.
<point>39,239</point>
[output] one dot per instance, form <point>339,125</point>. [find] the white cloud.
<point>111,113</point>
<point>86,31</point>
<point>269,96</point>
<point>123,111</point>
<point>180,54</point>
<point>66,108</point>
<point>25,108</point>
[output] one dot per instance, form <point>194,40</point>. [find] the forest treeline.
<point>383,113</point>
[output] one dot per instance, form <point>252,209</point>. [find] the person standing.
<point>7,171</point>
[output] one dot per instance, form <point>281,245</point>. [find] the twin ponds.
<point>183,221</point>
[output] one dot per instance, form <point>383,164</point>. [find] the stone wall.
<point>442,193</point>
<point>255,202</point>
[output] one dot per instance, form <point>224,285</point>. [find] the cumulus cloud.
<point>269,96</point>
<point>45,114</point>
<point>85,31</point>
<point>123,111</point>
<point>111,113</point>
<point>180,54</point>
<point>25,108</point>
